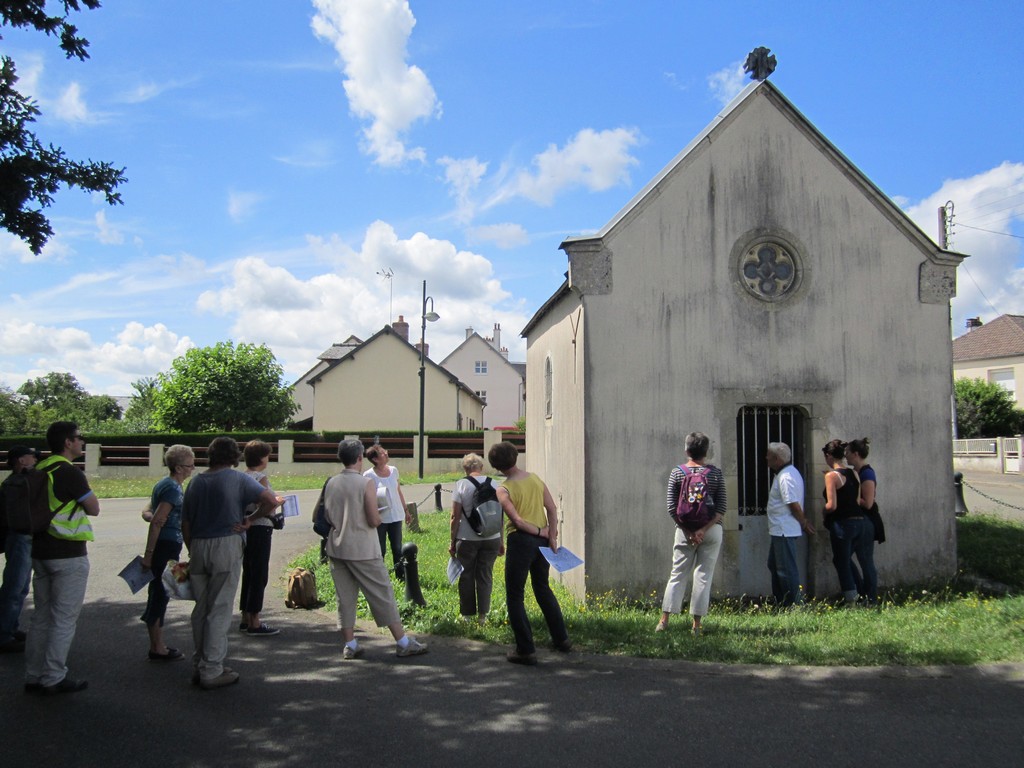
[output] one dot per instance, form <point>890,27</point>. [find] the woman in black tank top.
<point>845,519</point>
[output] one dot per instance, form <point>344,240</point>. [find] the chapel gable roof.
<point>1003,337</point>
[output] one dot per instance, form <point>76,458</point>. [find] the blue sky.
<point>280,155</point>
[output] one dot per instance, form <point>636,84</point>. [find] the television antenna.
<point>389,274</point>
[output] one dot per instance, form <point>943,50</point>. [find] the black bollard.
<point>958,483</point>
<point>437,498</point>
<point>413,593</point>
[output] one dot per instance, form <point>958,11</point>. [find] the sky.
<point>297,169</point>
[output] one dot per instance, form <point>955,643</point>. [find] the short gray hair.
<point>350,451</point>
<point>781,452</point>
<point>472,462</point>
<point>177,456</point>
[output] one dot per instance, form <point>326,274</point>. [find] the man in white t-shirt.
<point>786,524</point>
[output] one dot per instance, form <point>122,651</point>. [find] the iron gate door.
<point>756,426</point>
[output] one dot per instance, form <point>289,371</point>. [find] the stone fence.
<point>291,457</point>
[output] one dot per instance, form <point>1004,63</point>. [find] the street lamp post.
<point>432,316</point>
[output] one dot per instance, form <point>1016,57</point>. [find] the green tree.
<point>140,415</point>
<point>55,390</point>
<point>31,173</point>
<point>13,413</point>
<point>59,396</point>
<point>224,388</point>
<point>984,409</point>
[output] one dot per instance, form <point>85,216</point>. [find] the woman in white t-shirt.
<point>390,504</point>
<point>474,553</point>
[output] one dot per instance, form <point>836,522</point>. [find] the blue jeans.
<point>392,532</point>
<point>523,558</point>
<point>785,573</point>
<point>156,606</point>
<point>17,577</point>
<point>850,537</point>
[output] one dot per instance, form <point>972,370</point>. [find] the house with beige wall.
<point>376,386</point>
<point>759,288</point>
<point>992,352</point>
<point>302,389</point>
<point>482,364</point>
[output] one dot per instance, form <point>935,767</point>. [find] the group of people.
<point>850,516</point>
<point>353,502</point>
<point>223,518</point>
<point>49,547</point>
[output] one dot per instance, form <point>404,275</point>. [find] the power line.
<point>991,231</point>
<point>964,268</point>
<point>1015,209</point>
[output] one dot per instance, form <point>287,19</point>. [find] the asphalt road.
<point>298,704</point>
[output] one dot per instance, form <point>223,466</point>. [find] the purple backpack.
<point>695,507</point>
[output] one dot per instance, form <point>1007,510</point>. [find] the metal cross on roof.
<point>760,63</point>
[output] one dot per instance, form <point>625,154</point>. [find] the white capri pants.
<point>692,567</point>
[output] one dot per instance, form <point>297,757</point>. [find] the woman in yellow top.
<point>532,524</point>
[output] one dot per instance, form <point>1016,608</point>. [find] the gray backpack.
<point>484,517</point>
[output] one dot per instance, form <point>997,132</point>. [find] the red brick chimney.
<point>401,328</point>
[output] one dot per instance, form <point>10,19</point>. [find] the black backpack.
<point>26,501</point>
<point>484,517</point>
<point>321,525</point>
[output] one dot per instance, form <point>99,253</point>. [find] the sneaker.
<point>196,680</point>
<point>263,630</point>
<point>224,679</point>
<point>564,647</point>
<point>414,648</point>
<point>243,627</point>
<point>67,685</point>
<point>526,659</point>
<point>351,653</point>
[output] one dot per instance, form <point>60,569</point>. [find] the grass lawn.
<point>951,624</point>
<point>107,488</point>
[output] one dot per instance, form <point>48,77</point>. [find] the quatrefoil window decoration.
<point>768,270</point>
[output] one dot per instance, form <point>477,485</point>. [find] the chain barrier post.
<point>960,509</point>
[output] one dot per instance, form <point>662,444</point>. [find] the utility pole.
<point>946,225</point>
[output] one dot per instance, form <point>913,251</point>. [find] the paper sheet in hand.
<point>290,506</point>
<point>561,561</point>
<point>136,576</point>
<point>455,570</point>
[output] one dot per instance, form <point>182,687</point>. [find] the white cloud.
<point>300,317</point>
<point>311,154</point>
<point>242,204</point>
<point>107,233</point>
<point>502,235</point>
<point>991,281</point>
<point>370,37</point>
<point>597,160</point>
<point>726,83</point>
<point>15,249</point>
<point>463,177</point>
<point>70,106</point>
<point>138,351</point>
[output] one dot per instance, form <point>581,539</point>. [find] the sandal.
<point>173,654</point>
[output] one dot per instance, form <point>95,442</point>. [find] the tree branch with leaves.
<point>31,172</point>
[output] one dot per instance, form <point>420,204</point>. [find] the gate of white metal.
<point>756,426</point>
